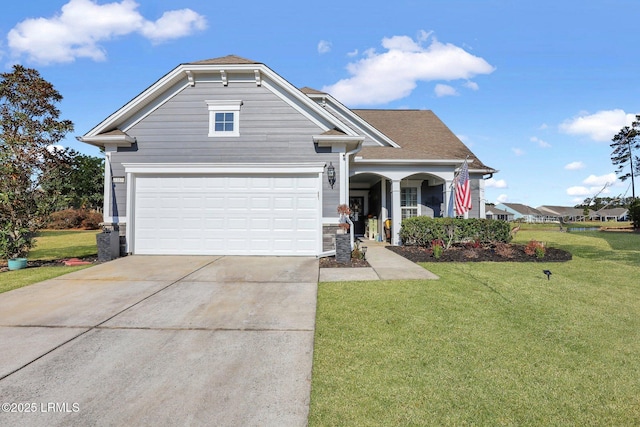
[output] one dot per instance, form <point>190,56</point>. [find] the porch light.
<point>331,174</point>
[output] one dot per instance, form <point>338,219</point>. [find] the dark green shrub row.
<point>75,218</point>
<point>634,213</point>
<point>422,230</point>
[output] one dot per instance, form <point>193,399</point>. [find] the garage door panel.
<point>217,215</point>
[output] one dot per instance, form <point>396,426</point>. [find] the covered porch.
<point>385,195</point>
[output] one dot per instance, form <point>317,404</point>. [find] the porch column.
<point>481,200</point>
<point>448,208</point>
<point>344,179</point>
<point>396,212</point>
<point>384,212</point>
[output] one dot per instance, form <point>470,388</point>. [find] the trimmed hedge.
<point>422,230</point>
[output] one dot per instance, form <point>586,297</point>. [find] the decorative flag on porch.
<point>463,191</point>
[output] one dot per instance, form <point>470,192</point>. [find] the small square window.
<point>224,122</point>
<point>224,118</point>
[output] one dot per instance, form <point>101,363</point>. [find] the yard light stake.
<point>548,273</point>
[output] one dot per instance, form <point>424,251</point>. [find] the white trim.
<point>150,107</point>
<point>129,246</point>
<point>217,106</point>
<point>224,168</point>
<point>108,188</point>
<point>443,162</point>
<point>132,170</point>
<point>285,90</point>
<point>353,120</point>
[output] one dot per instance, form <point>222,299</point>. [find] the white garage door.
<point>226,215</point>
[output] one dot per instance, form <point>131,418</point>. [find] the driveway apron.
<point>162,340</point>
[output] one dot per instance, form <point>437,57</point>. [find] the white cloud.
<point>503,198</point>
<point>518,151</point>
<point>600,126</point>
<point>496,183</point>
<point>579,191</point>
<point>593,185</point>
<point>541,143</point>
<point>409,62</point>
<point>600,180</point>
<point>82,25</point>
<point>574,166</point>
<point>324,47</point>
<point>173,24</point>
<point>353,53</point>
<point>472,85</point>
<point>445,90</point>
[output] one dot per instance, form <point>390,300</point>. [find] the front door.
<point>356,203</point>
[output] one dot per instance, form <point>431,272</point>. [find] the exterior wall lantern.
<point>331,174</point>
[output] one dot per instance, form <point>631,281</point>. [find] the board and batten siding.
<point>271,131</point>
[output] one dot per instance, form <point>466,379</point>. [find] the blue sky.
<point>536,89</point>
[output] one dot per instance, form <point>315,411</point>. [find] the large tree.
<point>626,145</point>
<point>30,128</point>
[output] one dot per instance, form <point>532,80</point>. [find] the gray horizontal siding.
<point>271,131</point>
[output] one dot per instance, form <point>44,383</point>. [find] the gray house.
<point>224,156</point>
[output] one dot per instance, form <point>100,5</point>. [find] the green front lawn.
<point>51,245</point>
<point>488,343</point>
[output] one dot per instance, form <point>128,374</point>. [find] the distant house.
<point>567,213</point>
<point>611,214</point>
<point>494,213</point>
<point>522,212</point>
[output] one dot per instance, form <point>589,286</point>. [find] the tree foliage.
<point>598,203</point>
<point>81,183</point>
<point>30,167</point>
<point>626,145</point>
<point>634,213</point>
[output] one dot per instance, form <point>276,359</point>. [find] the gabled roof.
<point>420,133</point>
<point>403,135</point>
<point>522,209</point>
<point>229,59</point>
<point>494,210</point>
<point>184,75</point>
<point>563,210</point>
<point>618,212</point>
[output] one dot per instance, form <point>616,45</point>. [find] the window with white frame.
<point>409,202</point>
<point>224,118</point>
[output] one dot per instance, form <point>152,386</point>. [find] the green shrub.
<point>75,218</point>
<point>422,230</point>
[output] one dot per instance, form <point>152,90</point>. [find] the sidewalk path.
<point>385,265</point>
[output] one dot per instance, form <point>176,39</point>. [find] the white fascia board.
<point>452,162</point>
<point>188,71</point>
<point>356,121</point>
<point>224,168</point>
<point>337,140</point>
<point>113,140</point>
<point>136,103</point>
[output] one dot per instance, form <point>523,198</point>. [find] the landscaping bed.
<point>466,253</point>
<point>330,262</point>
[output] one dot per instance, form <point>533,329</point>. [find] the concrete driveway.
<point>162,340</point>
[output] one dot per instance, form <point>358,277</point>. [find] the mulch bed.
<point>330,262</point>
<point>507,253</point>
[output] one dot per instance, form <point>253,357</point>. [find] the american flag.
<point>463,191</point>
